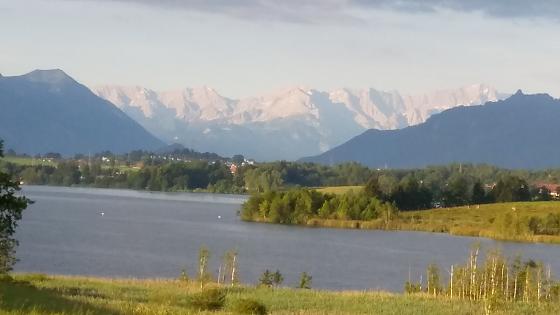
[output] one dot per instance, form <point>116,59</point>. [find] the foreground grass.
<point>40,294</point>
<point>482,221</point>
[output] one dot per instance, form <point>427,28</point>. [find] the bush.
<point>4,277</point>
<point>249,307</point>
<point>208,300</point>
<point>35,277</point>
<point>184,277</point>
<point>411,288</point>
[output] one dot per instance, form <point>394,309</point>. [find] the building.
<point>233,168</point>
<point>554,189</point>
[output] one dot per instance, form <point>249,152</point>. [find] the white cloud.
<point>344,11</point>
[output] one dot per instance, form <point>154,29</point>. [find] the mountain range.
<point>285,124</point>
<point>48,111</point>
<point>521,131</point>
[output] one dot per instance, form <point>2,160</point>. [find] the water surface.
<point>149,235</point>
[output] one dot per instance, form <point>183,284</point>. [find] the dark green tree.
<point>511,188</point>
<point>238,159</point>
<point>412,194</point>
<point>456,192</point>
<point>266,279</point>
<point>305,281</point>
<point>478,193</point>
<point>373,189</point>
<point>277,278</point>
<point>11,208</point>
<point>542,194</point>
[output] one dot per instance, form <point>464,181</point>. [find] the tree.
<point>478,193</point>
<point>229,272</point>
<point>511,188</point>
<point>373,189</point>
<point>203,258</point>
<point>266,279</point>
<point>305,281</point>
<point>456,191</point>
<point>277,278</point>
<point>433,285</point>
<point>184,277</point>
<point>411,195</point>
<point>11,208</point>
<point>238,159</point>
<point>542,194</point>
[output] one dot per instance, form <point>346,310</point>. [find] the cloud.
<point>549,9</point>
<point>292,11</point>
<point>348,11</point>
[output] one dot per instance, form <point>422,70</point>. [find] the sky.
<point>249,47</point>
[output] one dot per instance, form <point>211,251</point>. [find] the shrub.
<point>411,287</point>
<point>184,277</point>
<point>35,277</point>
<point>249,307</point>
<point>208,300</point>
<point>305,281</point>
<point>266,279</point>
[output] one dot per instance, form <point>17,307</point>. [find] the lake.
<point>152,235</point>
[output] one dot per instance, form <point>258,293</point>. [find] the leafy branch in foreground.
<point>11,208</point>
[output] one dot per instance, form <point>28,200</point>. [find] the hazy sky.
<point>247,47</point>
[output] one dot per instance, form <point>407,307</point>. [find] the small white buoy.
<point>219,217</point>
<point>102,213</point>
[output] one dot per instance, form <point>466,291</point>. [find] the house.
<point>554,189</point>
<point>233,168</point>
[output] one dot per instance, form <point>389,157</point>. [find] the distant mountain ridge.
<point>519,132</point>
<point>286,124</point>
<point>48,111</point>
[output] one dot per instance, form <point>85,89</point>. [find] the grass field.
<point>40,294</point>
<point>480,220</point>
<point>338,190</point>
<point>27,161</point>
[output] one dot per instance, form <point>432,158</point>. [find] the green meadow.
<point>42,294</point>
<point>515,221</point>
<point>29,161</point>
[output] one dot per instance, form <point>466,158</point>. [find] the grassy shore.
<point>40,294</point>
<point>483,221</point>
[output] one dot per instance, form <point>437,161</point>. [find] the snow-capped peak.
<point>316,119</point>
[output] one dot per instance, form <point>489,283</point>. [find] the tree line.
<point>412,193</point>
<point>187,170</point>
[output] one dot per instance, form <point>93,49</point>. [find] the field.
<point>40,294</point>
<point>28,161</point>
<point>483,220</point>
<point>338,190</point>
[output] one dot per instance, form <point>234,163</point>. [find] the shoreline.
<point>456,221</point>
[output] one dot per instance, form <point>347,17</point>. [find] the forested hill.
<point>47,111</point>
<point>522,131</point>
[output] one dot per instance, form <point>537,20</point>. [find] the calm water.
<point>156,234</point>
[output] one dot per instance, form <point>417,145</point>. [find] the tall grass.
<point>42,295</point>
<point>498,282</point>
